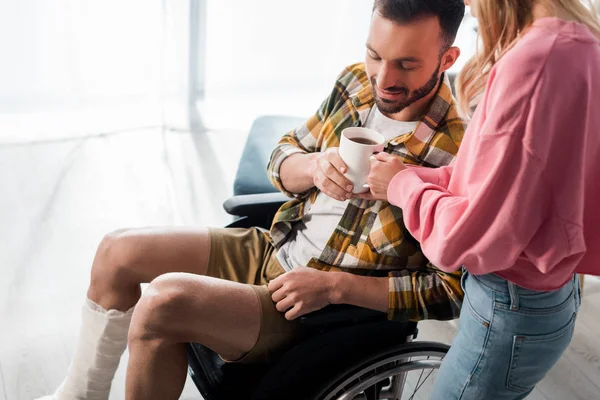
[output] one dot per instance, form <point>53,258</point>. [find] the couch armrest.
<point>255,204</point>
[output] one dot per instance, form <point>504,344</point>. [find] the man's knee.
<point>115,256</point>
<point>162,304</point>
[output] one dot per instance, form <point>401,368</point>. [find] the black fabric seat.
<point>336,339</point>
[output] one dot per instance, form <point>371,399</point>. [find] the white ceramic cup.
<point>356,154</point>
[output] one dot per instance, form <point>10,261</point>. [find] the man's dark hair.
<point>449,12</point>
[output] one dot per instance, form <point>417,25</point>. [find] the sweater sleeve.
<point>488,229</point>
<point>506,206</point>
<point>438,176</point>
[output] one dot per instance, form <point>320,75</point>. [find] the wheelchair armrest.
<point>255,204</point>
<point>340,314</point>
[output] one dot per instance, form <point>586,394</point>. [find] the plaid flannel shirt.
<point>371,238</point>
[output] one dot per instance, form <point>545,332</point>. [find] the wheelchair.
<point>346,353</point>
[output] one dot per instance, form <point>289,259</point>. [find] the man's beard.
<point>393,107</point>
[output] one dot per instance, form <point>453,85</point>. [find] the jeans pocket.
<point>482,304</point>
<point>476,316</point>
<point>534,355</point>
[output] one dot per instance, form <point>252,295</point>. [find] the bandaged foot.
<point>101,343</point>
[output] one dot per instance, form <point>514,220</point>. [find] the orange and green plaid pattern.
<point>371,238</point>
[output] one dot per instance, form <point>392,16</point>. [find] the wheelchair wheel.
<point>405,373</point>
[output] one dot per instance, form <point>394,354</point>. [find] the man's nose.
<point>387,77</point>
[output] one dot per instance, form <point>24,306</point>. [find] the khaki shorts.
<point>246,256</point>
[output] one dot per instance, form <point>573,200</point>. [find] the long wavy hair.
<point>500,23</point>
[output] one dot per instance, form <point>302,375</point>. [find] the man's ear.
<point>449,58</point>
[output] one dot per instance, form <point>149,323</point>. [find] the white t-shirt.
<point>310,235</point>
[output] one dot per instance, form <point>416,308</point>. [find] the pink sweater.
<point>522,199</point>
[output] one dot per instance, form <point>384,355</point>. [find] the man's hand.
<point>302,290</point>
<point>384,167</point>
<point>328,175</point>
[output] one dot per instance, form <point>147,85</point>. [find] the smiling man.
<point>400,81</point>
<point>240,291</point>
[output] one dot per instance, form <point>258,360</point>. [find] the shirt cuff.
<point>283,152</point>
<point>401,303</point>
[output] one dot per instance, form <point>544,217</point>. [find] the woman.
<point>520,208</point>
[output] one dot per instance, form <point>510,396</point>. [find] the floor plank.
<point>2,388</point>
<point>583,351</point>
<point>565,381</point>
<point>537,395</point>
<point>34,364</point>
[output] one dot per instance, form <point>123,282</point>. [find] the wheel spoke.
<point>356,386</point>
<point>422,371</point>
<point>421,384</point>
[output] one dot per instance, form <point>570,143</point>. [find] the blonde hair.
<point>500,22</point>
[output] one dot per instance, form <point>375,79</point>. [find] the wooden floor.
<point>57,201</point>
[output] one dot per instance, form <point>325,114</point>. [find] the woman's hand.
<point>384,167</point>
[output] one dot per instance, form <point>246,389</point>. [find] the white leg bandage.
<point>101,343</point>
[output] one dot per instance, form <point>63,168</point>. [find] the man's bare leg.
<point>123,261</point>
<point>127,258</point>
<point>179,308</point>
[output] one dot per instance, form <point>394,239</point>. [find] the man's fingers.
<point>275,285</point>
<point>293,313</point>
<point>332,172</point>
<point>331,189</point>
<point>334,158</point>
<point>284,305</point>
<point>278,295</point>
<point>299,310</point>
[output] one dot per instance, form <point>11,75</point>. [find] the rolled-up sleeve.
<point>303,140</point>
<point>279,155</point>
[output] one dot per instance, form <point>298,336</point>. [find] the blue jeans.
<point>509,338</point>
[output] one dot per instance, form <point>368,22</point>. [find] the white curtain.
<point>282,57</point>
<point>72,66</point>
<point>277,57</point>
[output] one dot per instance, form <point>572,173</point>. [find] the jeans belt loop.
<point>577,291</point>
<point>514,296</point>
